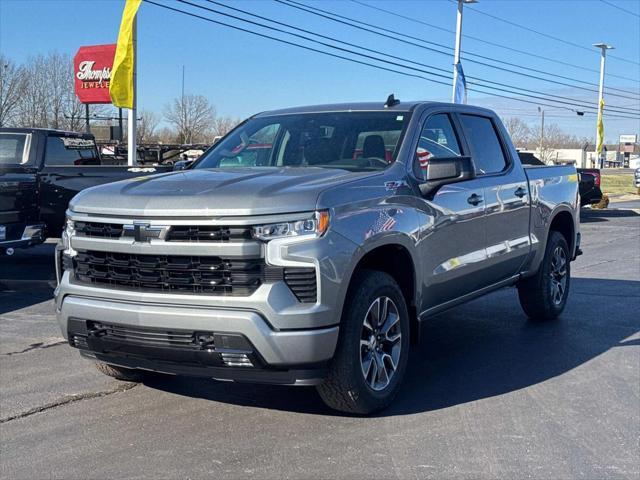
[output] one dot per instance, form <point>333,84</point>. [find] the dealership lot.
<point>487,394</point>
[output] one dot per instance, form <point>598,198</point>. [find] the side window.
<point>488,155</point>
<point>437,140</point>
<point>64,152</point>
<point>257,150</point>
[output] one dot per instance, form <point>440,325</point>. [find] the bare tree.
<point>147,125</point>
<point>192,116</point>
<point>518,130</point>
<point>11,87</point>
<point>222,125</point>
<point>34,104</point>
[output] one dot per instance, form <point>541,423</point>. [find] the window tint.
<point>488,155</point>
<point>70,151</point>
<point>437,140</point>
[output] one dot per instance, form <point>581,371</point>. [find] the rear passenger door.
<point>452,241</point>
<point>506,197</point>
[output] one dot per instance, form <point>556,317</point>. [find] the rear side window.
<point>70,151</point>
<point>488,155</point>
<point>14,148</point>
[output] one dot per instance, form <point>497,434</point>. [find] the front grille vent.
<point>176,274</point>
<point>204,233</point>
<point>302,282</point>
<point>148,337</point>
<point>95,229</point>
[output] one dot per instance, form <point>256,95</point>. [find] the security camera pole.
<point>600,124</point>
<point>456,54</point>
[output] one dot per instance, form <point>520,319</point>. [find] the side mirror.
<point>182,164</point>
<point>444,171</point>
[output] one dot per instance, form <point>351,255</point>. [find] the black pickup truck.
<point>40,171</point>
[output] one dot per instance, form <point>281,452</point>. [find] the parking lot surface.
<point>487,394</point>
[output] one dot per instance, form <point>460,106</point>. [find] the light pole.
<point>456,53</point>
<point>599,124</point>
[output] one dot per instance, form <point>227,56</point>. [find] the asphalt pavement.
<point>487,394</point>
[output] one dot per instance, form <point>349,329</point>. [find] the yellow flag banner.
<point>121,84</point>
<point>600,140</point>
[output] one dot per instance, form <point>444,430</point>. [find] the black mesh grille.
<point>95,229</point>
<point>302,282</point>
<point>203,233</point>
<point>162,273</point>
<point>151,337</point>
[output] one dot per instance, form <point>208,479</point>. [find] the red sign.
<point>92,73</point>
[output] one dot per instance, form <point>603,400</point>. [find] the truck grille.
<point>96,229</point>
<point>162,273</point>
<point>177,233</point>
<point>206,233</point>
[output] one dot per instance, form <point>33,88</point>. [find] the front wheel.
<point>371,356</point>
<point>544,296</point>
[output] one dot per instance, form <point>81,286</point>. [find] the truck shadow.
<point>476,351</point>
<point>595,215</point>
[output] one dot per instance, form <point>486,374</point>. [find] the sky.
<point>242,74</point>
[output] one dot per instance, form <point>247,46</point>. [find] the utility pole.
<point>456,53</point>
<point>541,133</point>
<point>603,54</point>
<point>132,144</point>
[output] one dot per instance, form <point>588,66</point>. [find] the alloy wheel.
<point>380,343</point>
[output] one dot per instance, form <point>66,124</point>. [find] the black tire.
<point>537,293</point>
<point>345,387</point>
<point>120,373</point>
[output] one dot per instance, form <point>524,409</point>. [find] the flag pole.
<point>599,123</point>
<point>132,147</point>
<point>457,48</point>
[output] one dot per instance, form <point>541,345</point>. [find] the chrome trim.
<point>160,247</point>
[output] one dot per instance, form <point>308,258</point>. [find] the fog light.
<point>236,360</point>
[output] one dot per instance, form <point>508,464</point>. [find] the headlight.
<point>67,233</point>
<point>314,226</point>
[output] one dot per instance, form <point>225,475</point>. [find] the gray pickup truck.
<point>309,244</point>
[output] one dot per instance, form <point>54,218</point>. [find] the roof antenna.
<point>391,101</point>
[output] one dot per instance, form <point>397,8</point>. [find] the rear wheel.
<point>120,373</point>
<point>544,295</point>
<point>371,356</point>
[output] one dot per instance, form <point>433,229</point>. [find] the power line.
<point>262,35</point>
<point>620,8</point>
<point>377,31</point>
<point>494,44</point>
<point>562,99</point>
<point>552,37</point>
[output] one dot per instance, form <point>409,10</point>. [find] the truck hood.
<point>214,192</point>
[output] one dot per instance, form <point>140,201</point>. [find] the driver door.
<point>452,241</point>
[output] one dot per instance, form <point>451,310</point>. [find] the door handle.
<point>520,192</point>
<point>474,199</point>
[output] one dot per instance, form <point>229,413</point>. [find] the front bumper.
<point>21,235</point>
<point>291,357</point>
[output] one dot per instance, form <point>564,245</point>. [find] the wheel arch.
<point>394,256</point>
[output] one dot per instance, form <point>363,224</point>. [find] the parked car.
<point>318,266</point>
<point>636,175</point>
<point>590,192</point>
<point>40,171</point>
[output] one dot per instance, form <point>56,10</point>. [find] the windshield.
<point>355,141</point>
<point>14,148</point>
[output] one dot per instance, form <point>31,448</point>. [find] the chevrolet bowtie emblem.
<point>142,232</point>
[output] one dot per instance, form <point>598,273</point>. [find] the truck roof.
<point>46,131</point>
<point>371,107</point>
